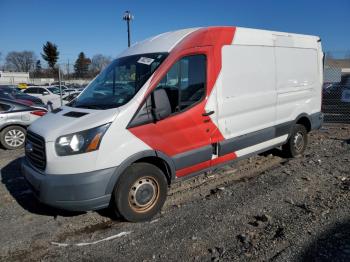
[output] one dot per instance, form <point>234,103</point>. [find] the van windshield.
<point>119,82</point>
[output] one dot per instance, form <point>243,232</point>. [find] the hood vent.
<point>55,111</point>
<point>75,114</point>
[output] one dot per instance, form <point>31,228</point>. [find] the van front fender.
<point>134,158</point>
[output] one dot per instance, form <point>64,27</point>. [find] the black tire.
<point>17,132</point>
<point>140,192</point>
<point>296,143</point>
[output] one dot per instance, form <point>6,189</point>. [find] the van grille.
<point>36,152</point>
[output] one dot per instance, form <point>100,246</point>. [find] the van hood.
<point>67,120</point>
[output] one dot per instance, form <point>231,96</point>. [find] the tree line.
<point>27,61</point>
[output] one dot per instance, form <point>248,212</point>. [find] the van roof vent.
<point>75,114</point>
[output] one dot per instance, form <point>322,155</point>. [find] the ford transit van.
<point>175,105</point>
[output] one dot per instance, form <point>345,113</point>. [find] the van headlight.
<point>80,142</point>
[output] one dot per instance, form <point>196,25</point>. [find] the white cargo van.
<point>172,106</point>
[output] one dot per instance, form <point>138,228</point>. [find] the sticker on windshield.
<point>145,60</point>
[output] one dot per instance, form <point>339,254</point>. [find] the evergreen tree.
<point>81,66</point>
<point>38,66</point>
<point>50,54</point>
<point>38,69</point>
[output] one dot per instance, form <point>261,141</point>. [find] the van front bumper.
<point>75,192</point>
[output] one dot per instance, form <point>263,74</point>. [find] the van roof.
<point>243,36</point>
<point>249,36</point>
<point>158,44</point>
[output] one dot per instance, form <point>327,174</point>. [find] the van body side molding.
<point>193,157</point>
<point>284,128</point>
<point>316,120</point>
<point>237,143</point>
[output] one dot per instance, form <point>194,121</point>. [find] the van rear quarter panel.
<point>298,85</point>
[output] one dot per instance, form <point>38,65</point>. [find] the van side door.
<point>247,99</point>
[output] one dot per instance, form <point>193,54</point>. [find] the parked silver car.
<point>14,119</point>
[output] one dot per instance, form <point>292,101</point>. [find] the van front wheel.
<point>140,192</point>
<point>297,142</point>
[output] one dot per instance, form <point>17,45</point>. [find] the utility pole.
<point>128,17</point>
<point>59,81</point>
<point>68,70</point>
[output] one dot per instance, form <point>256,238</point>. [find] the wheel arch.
<point>153,157</point>
<point>13,124</point>
<point>304,119</point>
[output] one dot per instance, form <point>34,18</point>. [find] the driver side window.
<point>184,85</point>
<point>185,82</point>
<point>31,90</point>
<point>170,83</point>
<point>41,91</point>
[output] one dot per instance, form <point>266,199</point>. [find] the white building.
<point>13,77</point>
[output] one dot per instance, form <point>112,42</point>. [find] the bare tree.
<point>99,62</point>
<point>20,61</point>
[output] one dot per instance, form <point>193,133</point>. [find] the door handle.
<point>208,113</point>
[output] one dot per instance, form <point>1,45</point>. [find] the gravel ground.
<point>262,208</point>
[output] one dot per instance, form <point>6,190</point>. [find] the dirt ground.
<point>263,208</point>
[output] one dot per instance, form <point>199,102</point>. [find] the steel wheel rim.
<point>14,138</point>
<point>143,194</point>
<point>299,141</point>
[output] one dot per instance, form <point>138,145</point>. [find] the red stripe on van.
<point>204,165</point>
<point>188,130</point>
<point>192,169</point>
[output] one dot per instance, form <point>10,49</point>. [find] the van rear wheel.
<point>140,192</point>
<point>297,142</point>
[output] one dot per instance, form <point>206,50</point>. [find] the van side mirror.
<point>45,93</point>
<point>161,107</point>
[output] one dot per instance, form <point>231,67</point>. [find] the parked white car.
<point>46,94</point>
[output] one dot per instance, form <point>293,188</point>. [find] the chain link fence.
<point>336,88</point>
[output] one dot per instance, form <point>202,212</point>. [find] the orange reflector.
<point>94,143</point>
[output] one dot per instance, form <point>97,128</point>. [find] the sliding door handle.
<point>208,113</point>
